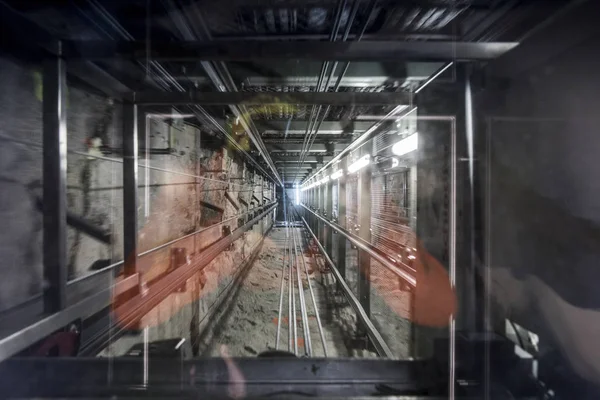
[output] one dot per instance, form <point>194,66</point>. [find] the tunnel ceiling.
<point>282,127</point>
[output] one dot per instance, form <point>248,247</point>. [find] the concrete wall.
<point>544,190</point>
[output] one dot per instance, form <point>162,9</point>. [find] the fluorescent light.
<point>325,179</point>
<point>360,163</point>
<point>406,145</point>
<point>337,174</point>
<point>428,81</point>
<point>181,342</point>
<point>363,138</point>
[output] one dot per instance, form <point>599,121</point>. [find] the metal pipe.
<point>341,75</point>
<point>376,338</point>
<point>368,248</point>
<point>314,302</point>
<point>324,66</point>
<point>303,313</point>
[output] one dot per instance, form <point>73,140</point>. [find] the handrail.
<point>410,279</point>
<point>141,304</point>
<point>27,335</point>
<point>376,338</point>
<point>118,263</point>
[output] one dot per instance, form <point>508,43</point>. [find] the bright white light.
<point>406,145</point>
<point>297,200</point>
<point>428,81</point>
<point>337,174</point>
<point>360,163</point>
<point>395,162</point>
<point>325,179</point>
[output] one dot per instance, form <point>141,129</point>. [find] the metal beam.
<point>308,160</point>
<point>130,185</point>
<point>296,147</point>
<point>252,50</point>
<point>364,232</point>
<point>551,38</point>
<point>55,184</point>
<point>341,217</point>
<point>72,377</point>
<point>271,98</point>
<point>269,127</point>
<point>328,211</point>
<point>376,338</point>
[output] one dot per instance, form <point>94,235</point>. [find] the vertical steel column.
<point>364,232</point>
<point>130,186</point>
<point>55,184</point>
<point>312,207</point>
<point>341,258</point>
<point>329,215</point>
<point>320,224</point>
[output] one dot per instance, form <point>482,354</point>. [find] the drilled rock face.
<point>169,202</point>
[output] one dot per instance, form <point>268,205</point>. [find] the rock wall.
<point>183,191</point>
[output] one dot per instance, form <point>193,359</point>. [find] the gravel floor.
<point>247,324</point>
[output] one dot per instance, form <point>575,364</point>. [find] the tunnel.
<point>299,198</point>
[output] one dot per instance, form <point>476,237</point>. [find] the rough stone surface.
<point>171,204</point>
<point>247,325</point>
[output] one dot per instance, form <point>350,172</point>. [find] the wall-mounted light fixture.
<point>337,174</point>
<point>359,164</point>
<point>406,145</point>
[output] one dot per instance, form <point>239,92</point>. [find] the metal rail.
<point>118,263</point>
<point>141,304</point>
<point>293,294</point>
<point>368,248</point>
<point>291,338</point>
<point>376,339</point>
<point>303,312</point>
<point>281,290</point>
<point>312,295</point>
<point>96,301</point>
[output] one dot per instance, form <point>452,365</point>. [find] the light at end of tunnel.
<point>359,164</point>
<point>406,145</point>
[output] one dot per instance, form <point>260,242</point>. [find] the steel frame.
<point>341,219</point>
<point>210,377</point>
<point>130,187</point>
<point>249,50</point>
<point>364,233</point>
<point>55,184</point>
<point>83,299</point>
<point>376,339</point>
<point>401,271</point>
<point>271,98</point>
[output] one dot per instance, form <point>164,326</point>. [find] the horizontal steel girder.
<point>297,147</point>
<point>312,50</point>
<point>307,160</point>
<point>268,127</point>
<point>280,98</point>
